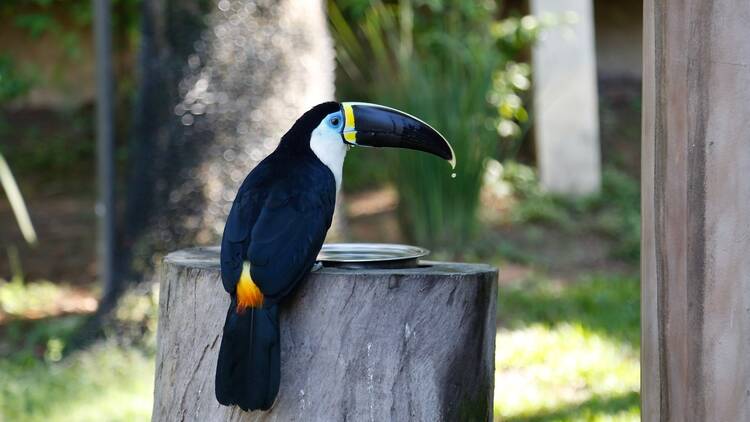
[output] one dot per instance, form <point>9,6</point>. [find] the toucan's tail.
<point>248,371</point>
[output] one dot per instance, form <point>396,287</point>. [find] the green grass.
<point>568,352</point>
<point>564,352</point>
<point>103,383</point>
<point>112,380</point>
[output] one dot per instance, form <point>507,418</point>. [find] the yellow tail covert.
<point>248,293</point>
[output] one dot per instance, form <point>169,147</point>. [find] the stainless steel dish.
<point>370,255</point>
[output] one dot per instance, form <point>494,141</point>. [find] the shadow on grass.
<point>597,405</point>
<point>610,306</point>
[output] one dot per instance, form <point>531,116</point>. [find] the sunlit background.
<point>568,329</point>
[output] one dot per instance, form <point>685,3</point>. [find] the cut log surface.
<point>357,345</point>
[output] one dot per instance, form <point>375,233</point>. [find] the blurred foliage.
<point>13,83</point>
<point>106,382</point>
<point>41,339</point>
<point>608,306</point>
<point>133,323</point>
<point>135,319</point>
<point>49,148</point>
<point>66,160</point>
<point>66,21</point>
<point>62,153</point>
<point>18,298</point>
<point>451,64</point>
<point>614,211</point>
<point>570,352</point>
<point>618,208</point>
<point>111,380</point>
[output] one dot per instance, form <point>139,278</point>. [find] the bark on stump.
<point>405,344</point>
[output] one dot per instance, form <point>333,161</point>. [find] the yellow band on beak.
<point>350,133</point>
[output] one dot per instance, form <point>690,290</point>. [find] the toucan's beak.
<point>374,125</point>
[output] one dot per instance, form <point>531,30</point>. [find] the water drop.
<point>187,119</point>
<point>453,175</point>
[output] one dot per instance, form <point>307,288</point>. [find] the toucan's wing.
<point>289,233</point>
<point>245,209</point>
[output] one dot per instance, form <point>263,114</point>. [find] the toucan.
<point>276,227</point>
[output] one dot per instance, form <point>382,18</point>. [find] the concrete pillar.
<point>566,111</point>
<point>695,261</point>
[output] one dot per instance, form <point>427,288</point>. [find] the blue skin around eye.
<point>335,116</point>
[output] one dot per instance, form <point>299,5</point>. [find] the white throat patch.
<point>328,146</point>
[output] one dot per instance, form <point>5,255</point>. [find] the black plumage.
<point>277,223</point>
<point>276,228</point>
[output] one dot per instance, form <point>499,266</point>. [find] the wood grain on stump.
<point>360,345</point>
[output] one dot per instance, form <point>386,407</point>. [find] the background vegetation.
<point>568,336</point>
<point>111,380</point>
<point>411,55</point>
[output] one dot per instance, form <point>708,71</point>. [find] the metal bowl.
<point>370,255</point>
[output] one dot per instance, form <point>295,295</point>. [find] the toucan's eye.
<point>335,121</point>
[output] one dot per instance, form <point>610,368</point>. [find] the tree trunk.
<point>220,82</point>
<point>409,344</point>
<point>696,211</point>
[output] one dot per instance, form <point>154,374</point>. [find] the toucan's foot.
<point>317,266</point>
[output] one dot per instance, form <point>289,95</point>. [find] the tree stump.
<point>376,345</point>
